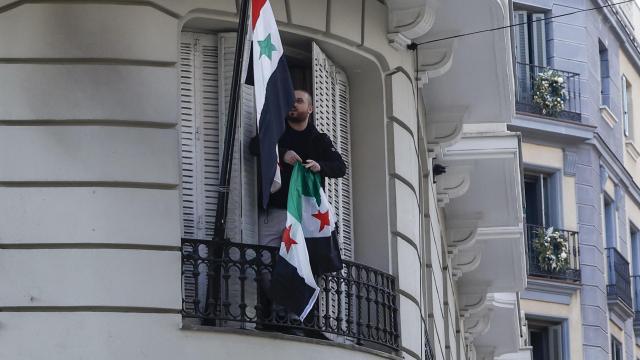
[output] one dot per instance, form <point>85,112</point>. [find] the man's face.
<point>301,108</point>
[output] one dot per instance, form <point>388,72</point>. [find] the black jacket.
<point>309,144</point>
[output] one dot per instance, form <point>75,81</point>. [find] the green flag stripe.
<point>304,182</point>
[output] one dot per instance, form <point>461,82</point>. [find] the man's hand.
<point>314,166</point>
<point>290,157</point>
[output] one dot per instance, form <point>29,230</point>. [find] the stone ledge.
<point>188,325</point>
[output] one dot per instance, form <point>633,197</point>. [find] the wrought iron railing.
<point>428,349</point>
<point>535,268</point>
<point>635,281</point>
<point>526,75</point>
<point>619,279</point>
<point>224,286</point>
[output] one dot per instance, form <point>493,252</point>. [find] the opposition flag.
<point>307,243</point>
<point>273,92</point>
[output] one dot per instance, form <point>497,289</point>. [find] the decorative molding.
<point>398,41</point>
<point>434,60</point>
<point>632,150</point>
<point>604,176</point>
<point>452,184</point>
<point>550,291</point>
<point>502,232</point>
<point>460,237</point>
<point>412,22</point>
<point>570,160</point>
<point>608,116</point>
<point>444,128</point>
<point>469,304</point>
<point>609,158</point>
<point>465,263</point>
<point>619,194</point>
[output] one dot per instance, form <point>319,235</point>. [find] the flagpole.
<point>232,120</point>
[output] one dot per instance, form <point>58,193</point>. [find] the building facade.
<point>580,175</point>
<point>112,120</point>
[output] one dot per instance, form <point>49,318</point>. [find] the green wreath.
<point>549,92</point>
<point>552,250</point>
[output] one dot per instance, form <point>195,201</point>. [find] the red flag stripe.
<point>256,7</point>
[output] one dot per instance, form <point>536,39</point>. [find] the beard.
<point>297,119</point>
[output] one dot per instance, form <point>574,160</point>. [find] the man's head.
<point>302,108</point>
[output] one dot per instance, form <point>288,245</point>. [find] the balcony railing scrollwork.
<point>635,281</point>
<point>570,272</point>
<point>526,76</point>
<point>619,279</point>
<point>223,287</point>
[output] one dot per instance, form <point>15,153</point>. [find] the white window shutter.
<point>625,106</point>
<point>331,103</point>
<point>539,40</point>
<point>242,214</point>
<point>521,36</point>
<point>199,127</point>
<point>199,130</point>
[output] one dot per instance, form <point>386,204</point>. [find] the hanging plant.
<point>552,250</point>
<point>549,92</point>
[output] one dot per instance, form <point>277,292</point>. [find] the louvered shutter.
<point>199,128</point>
<point>625,106</point>
<point>199,139</point>
<point>331,116</point>
<point>242,214</point>
<point>539,40</point>
<point>521,35</point>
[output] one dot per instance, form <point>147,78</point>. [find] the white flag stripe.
<point>298,257</point>
<point>311,224</point>
<point>263,67</point>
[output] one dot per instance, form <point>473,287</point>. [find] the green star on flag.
<point>266,47</point>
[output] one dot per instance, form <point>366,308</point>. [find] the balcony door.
<point>541,199</point>
<point>531,37</point>
<point>547,339</point>
<point>530,49</point>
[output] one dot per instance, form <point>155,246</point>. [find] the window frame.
<point>549,184</point>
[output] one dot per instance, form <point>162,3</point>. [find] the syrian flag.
<point>307,247</point>
<point>273,92</point>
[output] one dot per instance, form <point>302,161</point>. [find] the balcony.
<point>635,280</point>
<point>221,280</point>
<point>618,284</point>
<point>528,74</point>
<point>540,267</point>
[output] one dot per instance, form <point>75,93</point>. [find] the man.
<point>301,142</point>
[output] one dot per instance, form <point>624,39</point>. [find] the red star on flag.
<point>323,217</point>
<point>287,239</point>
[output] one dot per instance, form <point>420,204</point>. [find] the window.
<point>546,339</point>
<point>206,66</point>
<point>531,38</point>
<point>634,237</point>
<point>541,192</point>
<point>609,222</point>
<point>627,105</point>
<point>616,349</point>
<point>604,75</point>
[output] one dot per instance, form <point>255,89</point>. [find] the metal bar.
<point>230,133</point>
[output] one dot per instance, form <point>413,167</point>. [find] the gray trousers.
<point>271,224</point>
